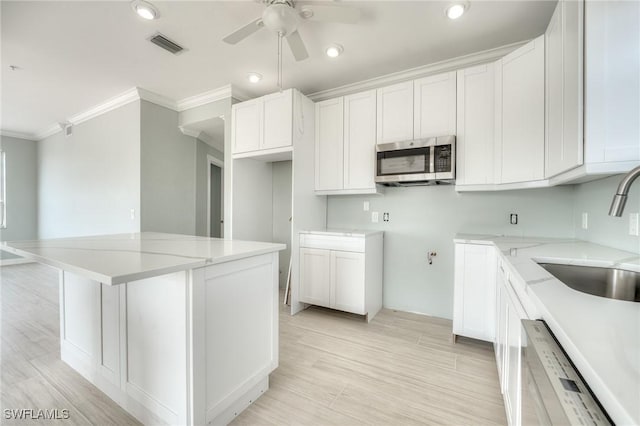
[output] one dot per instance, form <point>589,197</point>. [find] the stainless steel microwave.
<point>416,162</point>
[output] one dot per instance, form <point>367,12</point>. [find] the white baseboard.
<point>17,261</point>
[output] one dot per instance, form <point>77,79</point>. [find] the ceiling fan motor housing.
<point>281,18</point>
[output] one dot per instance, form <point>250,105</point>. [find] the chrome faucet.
<point>620,199</point>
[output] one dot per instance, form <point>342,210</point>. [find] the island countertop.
<point>121,258</point>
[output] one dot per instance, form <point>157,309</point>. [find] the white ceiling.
<point>74,55</point>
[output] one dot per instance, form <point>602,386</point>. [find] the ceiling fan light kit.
<point>145,10</point>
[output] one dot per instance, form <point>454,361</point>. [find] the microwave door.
<point>404,165</point>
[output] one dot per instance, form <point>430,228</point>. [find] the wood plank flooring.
<point>335,369</point>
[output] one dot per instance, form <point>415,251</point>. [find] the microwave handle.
<point>432,159</point>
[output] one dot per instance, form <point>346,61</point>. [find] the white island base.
<point>190,347</point>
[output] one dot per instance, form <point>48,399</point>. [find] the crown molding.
<point>418,72</point>
<point>49,131</point>
<point>205,98</point>
<point>18,135</point>
<point>122,99</point>
<point>202,136</point>
<point>157,99</point>
<point>190,132</point>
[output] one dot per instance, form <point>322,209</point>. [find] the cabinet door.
<point>564,88</point>
<point>434,106</point>
<point>475,135</point>
<point>347,281</point>
<point>502,314</point>
<point>329,145</point>
<point>523,113</point>
<point>278,120</point>
<point>513,365</point>
<point>315,277</point>
<point>246,120</point>
<point>474,291</point>
<point>360,140</point>
<point>553,89</point>
<point>395,113</point>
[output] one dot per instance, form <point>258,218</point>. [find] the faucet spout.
<point>620,198</point>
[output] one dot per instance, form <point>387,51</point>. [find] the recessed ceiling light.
<point>334,51</point>
<point>145,10</point>
<point>456,10</point>
<point>254,77</point>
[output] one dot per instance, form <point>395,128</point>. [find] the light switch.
<point>365,206</point>
<point>132,213</point>
<point>374,217</point>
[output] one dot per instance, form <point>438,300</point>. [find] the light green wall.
<point>21,190</point>
<point>426,219</point>
<point>168,173</point>
<point>594,198</point>
<point>89,182</point>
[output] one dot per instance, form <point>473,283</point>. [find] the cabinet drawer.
<point>332,242</point>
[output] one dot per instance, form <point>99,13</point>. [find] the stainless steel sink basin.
<point>604,282</point>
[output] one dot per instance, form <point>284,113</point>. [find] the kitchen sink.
<point>604,282</point>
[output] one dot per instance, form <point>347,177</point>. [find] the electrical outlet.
<point>385,217</point>
<point>365,206</point>
<point>132,213</point>
<point>374,217</point>
<point>585,220</point>
<point>633,224</point>
<point>513,219</point>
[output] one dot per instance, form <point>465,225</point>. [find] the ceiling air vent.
<point>168,45</point>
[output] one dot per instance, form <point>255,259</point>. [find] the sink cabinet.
<point>342,272</point>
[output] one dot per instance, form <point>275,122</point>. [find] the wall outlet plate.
<point>374,217</point>
<point>385,217</point>
<point>513,218</point>
<point>585,220</point>
<point>365,206</point>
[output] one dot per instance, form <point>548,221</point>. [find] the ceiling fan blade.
<point>243,32</point>
<point>325,13</point>
<point>297,46</point>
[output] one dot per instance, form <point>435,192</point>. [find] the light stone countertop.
<point>121,258</point>
<point>344,232</point>
<point>600,335</point>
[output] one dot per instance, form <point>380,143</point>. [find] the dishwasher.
<point>553,392</point>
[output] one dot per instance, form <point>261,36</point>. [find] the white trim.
<point>418,72</point>
<point>205,98</point>
<point>18,261</point>
<point>18,135</point>
<point>122,99</point>
<point>190,132</point>
<point>157,99</point>
<point>240,94</point>
<point>49,131</point>
<point>219,163</point>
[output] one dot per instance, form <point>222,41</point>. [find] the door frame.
<point>211,160</point>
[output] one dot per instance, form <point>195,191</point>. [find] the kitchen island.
<point>176,329</point>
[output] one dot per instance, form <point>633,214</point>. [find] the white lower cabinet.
<point>484,282</point>
<point>342,272</point>
<point>474,291</point>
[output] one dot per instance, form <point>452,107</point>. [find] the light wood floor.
<point>334,368</point>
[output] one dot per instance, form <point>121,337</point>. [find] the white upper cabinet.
<point>246,118</point>
<point>434,101</point>
<point>262,124</point>
<point>612,86</point>
<point>564,94</point>
<point>395,113</point>
<point>329,145</point>
<point>476,127</point>
<point>523,113</point>
<point>360,140</point>
<point>278,120</point>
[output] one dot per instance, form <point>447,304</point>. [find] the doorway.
<point>215,218</point>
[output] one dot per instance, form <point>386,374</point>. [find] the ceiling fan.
<point>284,16</point>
